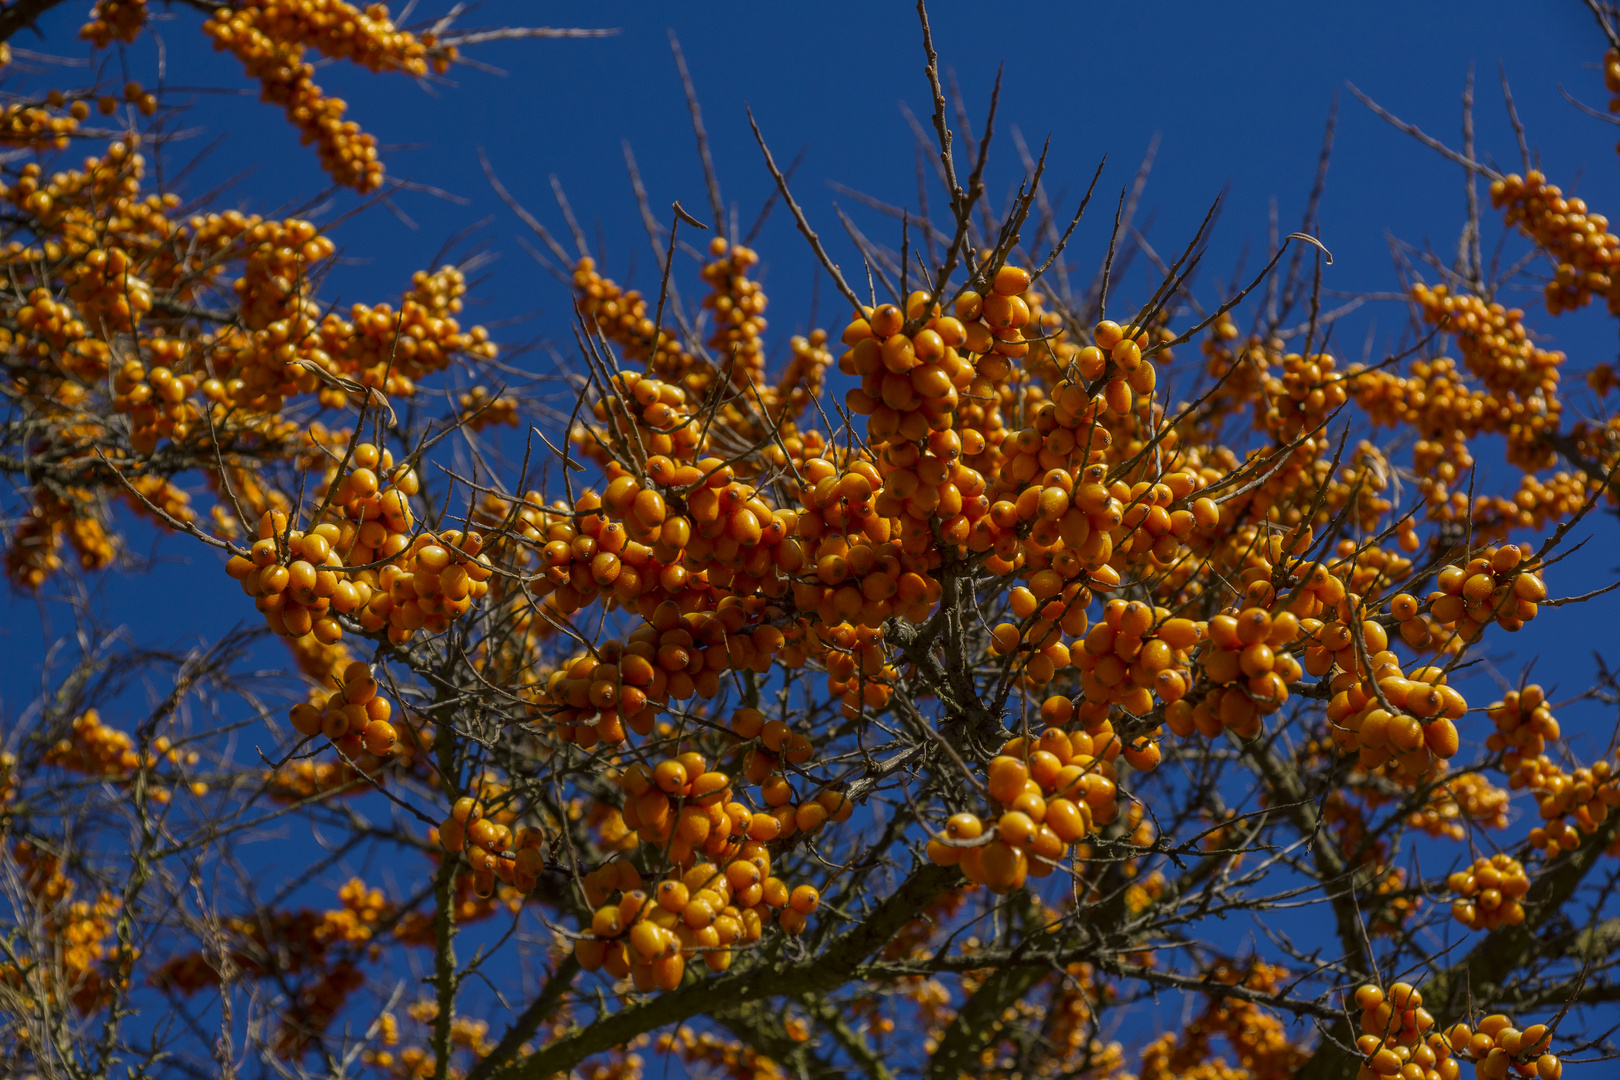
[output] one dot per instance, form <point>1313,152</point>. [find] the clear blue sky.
<point>1236,94</point>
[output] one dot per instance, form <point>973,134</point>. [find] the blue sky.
<point>1235,96</point>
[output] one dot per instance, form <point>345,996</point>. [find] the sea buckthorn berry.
<point>1011,280</point>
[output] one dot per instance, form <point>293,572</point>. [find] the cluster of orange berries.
<point>155,402</point>
<point>1248,671</point>
<point>737,303</point>
<point>858,671</point>
<point>1524,725</point>
<point>1494,342</point>
<point>1239,367</point>
<point>97,749</point>
<point>649,417</point>
<point>302,580</point>
<point>1499,1050</point>
<point>1053,790</point>
<point>672,655</point>
<point>1435,399</point>
<point>910,383</point>
<point>1079,524</point>
<point>622,317</point>
<point>1072,514</point>
<point>1494,586</point>
<point>1387,716</point>
<point>492,848</point>
<point>51,321</point>
<point>1306,393</point>
<point>109,296</point>
<point>390,349</point>
<point>114,20</point>
<point>1397,1031</point>
<point>720,890</point>
<point>479,410</point>
<point>438,579</point>
<point>162,494</point>
<point>365,36</point>
<point>1036,642</point>
<point>250,369</point>
<point>1489,893</point>
<point>1519,400</point>
<point>729,533</point>
<point>297,781</point>
<point>1468,797</point>
<point>356,717</point>
<point>65,202</point>
<point>39,127</point>
<point>1398,1040</point>
<point>702,911</point>
<point>595,699</point>
<point>415,1061</point>
<point>685,808</point>
<point>1587,795</point>
<point>855,566</point>
<point>288,341</point>
<point>1135,655</point>
<point>270,36</point>
<point>763,765</point>
<point>33,554</point>
<point>1257,1034</point>
<point>359,767</point>
<point>276,257</point>
<point>80,933</point>
<point>1585,251</point>
<point>802,376</point>
<point>293,577</point>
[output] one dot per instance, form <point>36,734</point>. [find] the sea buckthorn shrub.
<point>921,692</point>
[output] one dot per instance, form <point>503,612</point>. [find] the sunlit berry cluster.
<point>480,409</point>
<point>156,403</point>
<point>699,912</point>
<point>767,764</point>
<point>1489,893</point>
<point>1524,723</point>
<point>1578,241</point>
<point>355,718</point>
<point>1460,801</point>
<point>114,20</point>
<point>1248,668</point>
<point>1052,790</point>
<point>363,562</point>
<point>1396,1031</point>
<point>34,552</point>
<point>1498,1049</point>
<point>1387,716</point>
<point>1585,796</point>
<point>270,38</point>
<point>491,847</point>
<point>1495,586</point>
